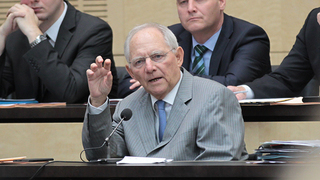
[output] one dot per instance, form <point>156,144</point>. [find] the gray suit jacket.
<point>205,123</point>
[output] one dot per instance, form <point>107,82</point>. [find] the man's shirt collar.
<point>53,31</point>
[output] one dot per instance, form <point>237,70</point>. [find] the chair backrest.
<point>311,89</point>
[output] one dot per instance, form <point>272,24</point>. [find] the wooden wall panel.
<point>282,20</point>
<point>4,6</point>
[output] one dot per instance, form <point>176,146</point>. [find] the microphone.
<point>125,116</point>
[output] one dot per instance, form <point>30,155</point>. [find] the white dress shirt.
<point>53,31</point>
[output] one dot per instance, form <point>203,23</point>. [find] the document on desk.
<point>11,159</point>
<point>271,100</point>
<point>148,160</point>
<point>27,103</point>
<point>17,101</point>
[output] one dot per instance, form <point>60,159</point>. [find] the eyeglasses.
<point>157,57</point>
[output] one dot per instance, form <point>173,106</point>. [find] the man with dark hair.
<point>46,47</point>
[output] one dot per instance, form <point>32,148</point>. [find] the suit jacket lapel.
<point>65,34</point>
<point>146,124</point>
<point>223,41</point>
<point>179,108</point>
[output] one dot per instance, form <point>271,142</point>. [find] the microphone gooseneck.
<point>125,116</point>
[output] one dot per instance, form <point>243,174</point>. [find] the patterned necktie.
<point>198,64</point>
<point>162,118</point>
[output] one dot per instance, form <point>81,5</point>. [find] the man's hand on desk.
<point>236,89</point>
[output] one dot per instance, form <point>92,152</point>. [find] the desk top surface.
<point>75,113</point>
<point>174,169</point>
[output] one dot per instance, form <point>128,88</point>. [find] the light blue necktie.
<point>198,63</point>
<point>162,118</point>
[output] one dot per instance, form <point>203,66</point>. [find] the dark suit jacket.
<point>205,123</point>
<point>297,68</point>
<point>59,73</point>
<point>241,53</point>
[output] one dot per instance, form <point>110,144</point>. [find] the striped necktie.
<point>198,63</point>
<point>162,118</point>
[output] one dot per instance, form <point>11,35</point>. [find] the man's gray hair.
<point>169,37</point>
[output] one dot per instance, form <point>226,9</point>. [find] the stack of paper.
<point>289,150</point>
<point>271,100</point>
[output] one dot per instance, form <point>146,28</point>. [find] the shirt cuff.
<point>250,93</point>
<point>97,110</point>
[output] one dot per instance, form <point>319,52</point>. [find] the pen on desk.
<point>238,92</point>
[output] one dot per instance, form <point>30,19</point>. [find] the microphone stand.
<point>110,160</point>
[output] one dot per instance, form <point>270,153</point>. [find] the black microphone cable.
<point>51,162</point>
<point>93,148</point>
<point>125,115</point>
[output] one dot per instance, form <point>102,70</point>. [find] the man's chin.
<point>194,27</point>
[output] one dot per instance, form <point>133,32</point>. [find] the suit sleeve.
<point>5,76</point>
<point>248,60</point>
<point>96,128</point>
<point>66,79</point>
<point>297,68</point>
<point>221,129</point>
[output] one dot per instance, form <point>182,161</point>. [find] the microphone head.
<point>126,114</point>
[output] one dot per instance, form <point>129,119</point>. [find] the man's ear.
<point>179,55</point>
<point>129,71</point>
<point>222,4</point>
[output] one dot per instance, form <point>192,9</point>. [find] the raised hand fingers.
<point>99,61</point>
<point>107,64</point>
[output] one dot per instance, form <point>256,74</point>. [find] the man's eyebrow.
<point>138,57</point>
<point>156,52</point>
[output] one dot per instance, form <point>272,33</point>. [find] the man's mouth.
<point>155,79</point>
<point>193,18</point>
<point>36,9</point>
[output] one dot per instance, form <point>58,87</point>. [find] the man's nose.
<point>191,6</point>
<point>149,66</point>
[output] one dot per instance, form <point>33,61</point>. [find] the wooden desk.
<point>75,113</point>
<point>212,170</point>
<point>28,131</point>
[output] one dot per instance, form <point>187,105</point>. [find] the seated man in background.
<point>296,70</point>
<point>46,47</point>
<point>200,121</point>
<point>232,51</point>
